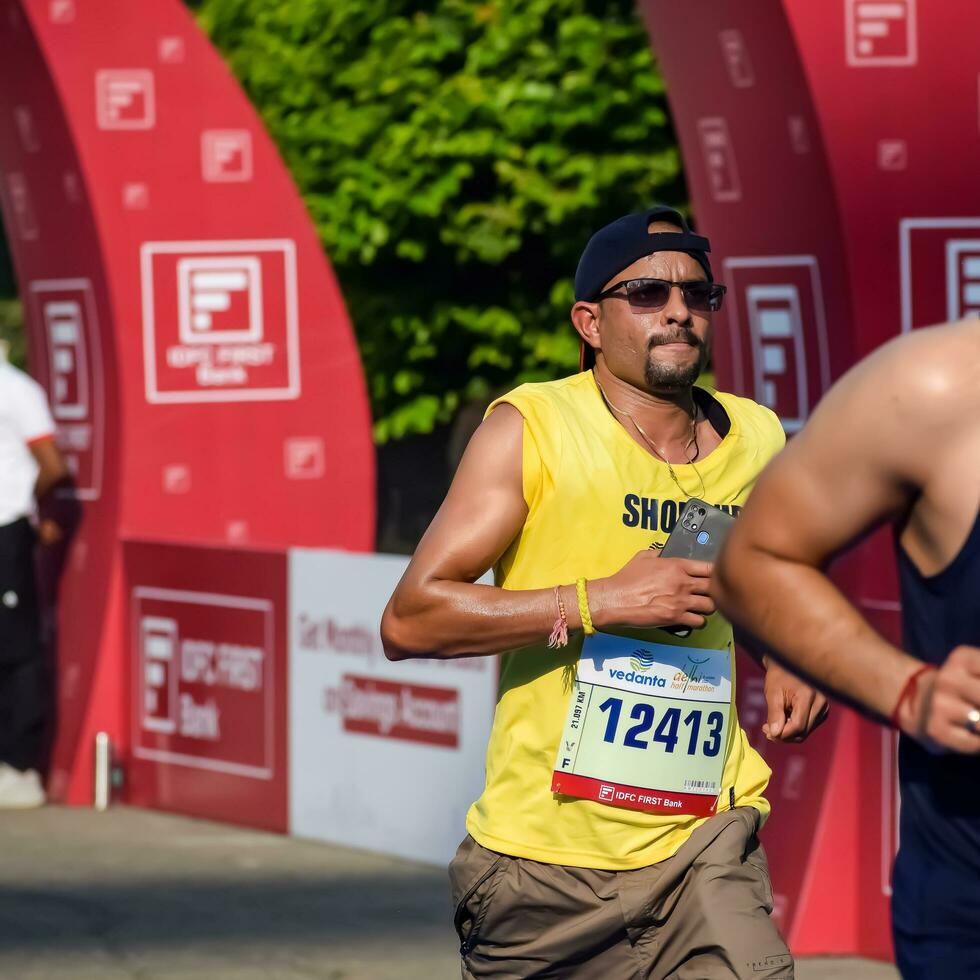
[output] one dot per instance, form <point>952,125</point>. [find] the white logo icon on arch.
<point>963,277</point>
<point>158,649</point>
<point>778,355</point>
<point>219,300</point>
<point>220,321</point>
<point>719,160</point>
<point>939,250</point>
<point>881,34</point>
<point>125,99</point>
<point>778,331</point>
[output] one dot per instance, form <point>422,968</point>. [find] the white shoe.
<point>20,790</point>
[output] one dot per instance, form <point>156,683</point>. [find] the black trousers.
<point>23,688</point>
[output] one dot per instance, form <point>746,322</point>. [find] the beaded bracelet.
<point>559,634</point>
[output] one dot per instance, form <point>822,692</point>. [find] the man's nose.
<point>676,310</point>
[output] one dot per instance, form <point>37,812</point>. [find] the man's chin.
<point>665,377</point>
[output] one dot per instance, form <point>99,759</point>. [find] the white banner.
<point>383,756</point>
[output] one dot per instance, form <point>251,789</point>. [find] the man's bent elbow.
<point>401,639</point>
<point>393,639</point>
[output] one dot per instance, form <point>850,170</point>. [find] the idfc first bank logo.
<point>204,687</point>
<point>220,321</point>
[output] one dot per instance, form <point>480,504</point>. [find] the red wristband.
<point>908,690</point>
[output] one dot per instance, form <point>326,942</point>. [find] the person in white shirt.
<point>30,467</point>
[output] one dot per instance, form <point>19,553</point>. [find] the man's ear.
<point>585,319</point>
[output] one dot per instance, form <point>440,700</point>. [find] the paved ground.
<point>134,894</point>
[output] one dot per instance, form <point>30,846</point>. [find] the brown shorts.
<point>702,914</point>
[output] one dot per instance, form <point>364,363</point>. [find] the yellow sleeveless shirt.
<point>595,498</point>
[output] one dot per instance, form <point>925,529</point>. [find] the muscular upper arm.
<point>858,462</point>
<point>483,511</point>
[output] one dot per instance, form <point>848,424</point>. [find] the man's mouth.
<point>675,344</point>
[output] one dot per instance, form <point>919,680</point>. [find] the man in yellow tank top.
<point>616,835</point>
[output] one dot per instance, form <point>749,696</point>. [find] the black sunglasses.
<point>653,294</point>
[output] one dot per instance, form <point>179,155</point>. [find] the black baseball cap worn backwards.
<point>621,243</point>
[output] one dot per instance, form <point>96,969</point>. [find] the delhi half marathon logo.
<point>693,673</point>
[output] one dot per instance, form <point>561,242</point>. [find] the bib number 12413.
<point>670,730</point>
<point>647,726</point>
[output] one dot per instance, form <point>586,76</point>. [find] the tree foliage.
<point>455,156</point>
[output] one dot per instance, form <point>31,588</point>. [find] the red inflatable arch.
<point>832,150</point>
<point>181,314</point>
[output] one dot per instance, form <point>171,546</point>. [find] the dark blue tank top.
<point>941,794</point>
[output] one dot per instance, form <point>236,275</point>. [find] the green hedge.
<point>455,155</point>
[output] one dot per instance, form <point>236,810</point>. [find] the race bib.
<point>647,727</point>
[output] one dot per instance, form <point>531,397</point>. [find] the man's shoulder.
<point>931,373</point>
<point>939,358</point>
<point>542,395</point>
<point>751,417</point>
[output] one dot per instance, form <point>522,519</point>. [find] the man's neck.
<point>665,416</point>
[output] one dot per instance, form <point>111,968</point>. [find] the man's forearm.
<point>51,467</point>
<point>456,619</point>
<point>803,620</point>
<point>46,482</point>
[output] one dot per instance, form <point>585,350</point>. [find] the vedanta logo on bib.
<point>634,678</point>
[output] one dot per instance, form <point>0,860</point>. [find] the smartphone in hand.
<point>700,532</point>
